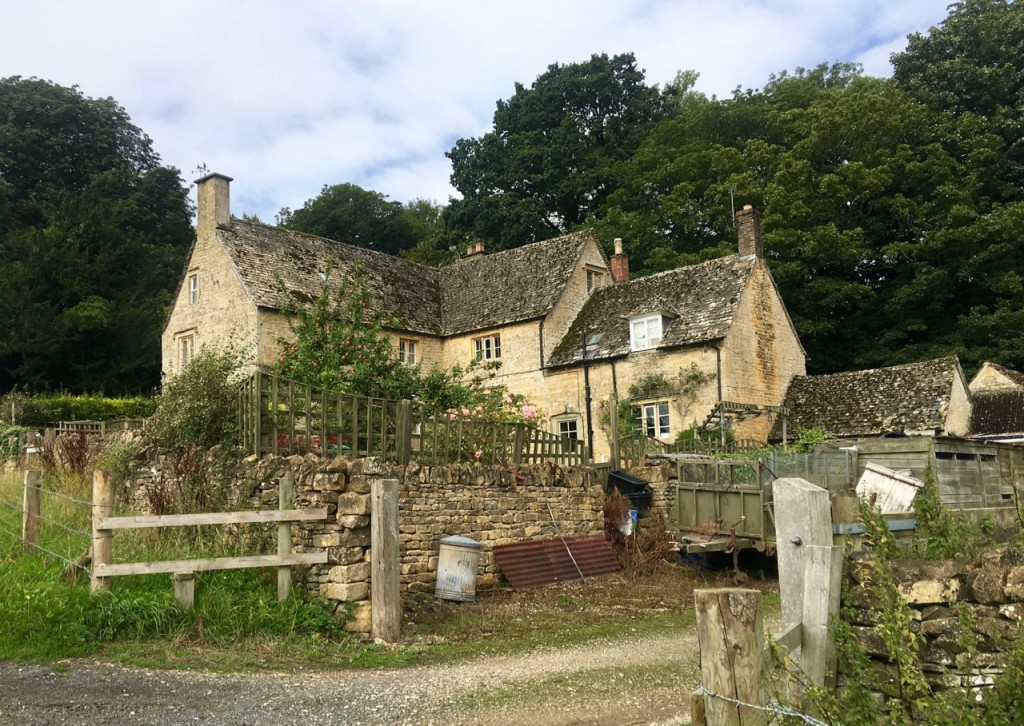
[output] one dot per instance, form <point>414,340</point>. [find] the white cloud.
<point>287,97</point>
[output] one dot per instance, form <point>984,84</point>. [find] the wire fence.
<point>59,533</point>
<point>773,707</point>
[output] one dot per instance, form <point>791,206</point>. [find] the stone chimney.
<point>620,263</point>
<point>214,202</point>
<point>474,248</point>
<point>748,229</point>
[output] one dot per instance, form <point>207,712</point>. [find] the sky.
<point>286,97</point>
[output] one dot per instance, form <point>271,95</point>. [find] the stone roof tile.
<point>702,298</point>
<point>911,397</point>
<point>997,413</point>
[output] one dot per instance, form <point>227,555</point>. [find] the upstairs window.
<point>652,420</point>
<point>487,347</point>
<point>645,332</point>
<point>193,289</point>
<point>407,351</point>
<point>593,280</point>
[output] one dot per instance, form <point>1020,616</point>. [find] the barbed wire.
<point>774,707</point>
<point>61,525</point>
<point>60,557</point>
<point>63,496</point>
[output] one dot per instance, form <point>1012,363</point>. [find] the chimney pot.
<point>748,230</point>
<point>620,263</point>
<point>470,249</point>
<point>214,195</point>
<point>479,248</point>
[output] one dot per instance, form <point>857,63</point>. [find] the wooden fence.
<point>277,416</point>
<point>729,621</point>
<point>100,428</point>
<point>183,571</point>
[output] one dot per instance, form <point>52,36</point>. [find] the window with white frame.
<point>645,332</point>
<point>593,279</point>
<point>186,349</point>
<point>568,427</point>
<point>487,347</point>
<point>652,420</point>
<point>407,351</point>
<point>193,289</point>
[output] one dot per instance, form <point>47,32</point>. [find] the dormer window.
<point>645,331</point>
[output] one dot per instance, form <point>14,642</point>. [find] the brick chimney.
<point>620,263</point>
<point>474,248</point>
<point>214,202</point>
<point>748,229</point>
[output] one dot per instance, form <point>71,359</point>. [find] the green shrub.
<point>199,406</point>
<point>49,408</point>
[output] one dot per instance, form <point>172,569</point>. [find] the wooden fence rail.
<point>277,416</point>
<point>104,524</point>
<point>729,627</point>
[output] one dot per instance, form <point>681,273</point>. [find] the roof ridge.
<point>947,358</point>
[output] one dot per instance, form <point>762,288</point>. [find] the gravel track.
<point>603,683</point>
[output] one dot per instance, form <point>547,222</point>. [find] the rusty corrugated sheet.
<point>540,562</point>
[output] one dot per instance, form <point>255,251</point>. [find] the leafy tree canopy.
<point>93,233</point>
<point>548,162</point>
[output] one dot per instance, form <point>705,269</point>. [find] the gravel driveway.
<point>641,682</point>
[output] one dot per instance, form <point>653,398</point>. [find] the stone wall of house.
<point>223,312</point>
<point>574,295</point>
<point>990,590</point>
<point>492,504</point>
<point>761,354</point>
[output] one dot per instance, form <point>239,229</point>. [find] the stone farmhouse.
<point>705,343</point>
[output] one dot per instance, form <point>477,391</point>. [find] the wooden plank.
<point>385,569</point>
<point>731,640</point>
<point>102,540</point>
<point>208,565</point>
<point>190,520</point>
<point>30,510</point>
<point>822,582</point>
<point>803,516</point>
<point>791,638</point>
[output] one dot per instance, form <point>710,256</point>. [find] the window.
<point>407,351</point>
<point>488,347</point>
<point>569,428</point>
<point>652,420</point>
<point>645,332</point>
<point>193,289</point>
<point>593,280</point>
<point>186,350</point>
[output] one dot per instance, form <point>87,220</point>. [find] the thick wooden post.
<point>385,596</point>
<point>185,589</point>
<point>822,582</point>
<point>403,436</point>
<point>731,640</point>
<point>285,499</point>
<point>30,510</point>
<point>803,516</point>
<point>102,539</point>
<point>517,446</point>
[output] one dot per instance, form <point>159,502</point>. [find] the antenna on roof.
<point>201,169</point>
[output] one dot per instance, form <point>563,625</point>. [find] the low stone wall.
<point>990,590</point>
<point>662,478</point>
<point>492,504</point>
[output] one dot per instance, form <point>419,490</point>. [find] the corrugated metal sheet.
<point>541,562</point>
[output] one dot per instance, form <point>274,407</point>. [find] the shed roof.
<point>1001,412</point>
<point>475,293</point>
<point>703,298</point>
<point>911,397</point>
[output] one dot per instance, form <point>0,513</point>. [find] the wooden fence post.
<point>285,499</point>
<point>822,582</point>
<point>613,413</point>
<point>517,447</point>
<point>385,595</point>
<point>731,640</point>
<point>102,539</point>
<point>30,510</point>
<point>403,435</point>
<point>803,516</point>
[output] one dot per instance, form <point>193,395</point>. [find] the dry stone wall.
<point>989,590</point>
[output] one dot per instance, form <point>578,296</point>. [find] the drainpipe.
<point>721,411</point>
<point>587,399</point>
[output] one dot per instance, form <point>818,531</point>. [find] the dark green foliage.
<point>199,406</point>
<point>941,533</point>
<point>548,163</point>
<point>93,233</point>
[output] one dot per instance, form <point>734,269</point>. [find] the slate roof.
<point>475,293</point>
<point>912,397</point>
<point>997,413</point>
<point>524,283</point>
<point>703,298</point>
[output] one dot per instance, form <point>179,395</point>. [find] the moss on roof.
<point>703,298</point>
<point>1001,412</point>
<point>475,293</point>
<point>911,397</point>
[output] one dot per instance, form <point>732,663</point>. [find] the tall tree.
<point>356,216</point>
<point>93,233</point>
<point>547,164</point>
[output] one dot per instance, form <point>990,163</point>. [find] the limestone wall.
<point>990,590</point>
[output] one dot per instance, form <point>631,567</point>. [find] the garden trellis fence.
<point>282,417</point>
